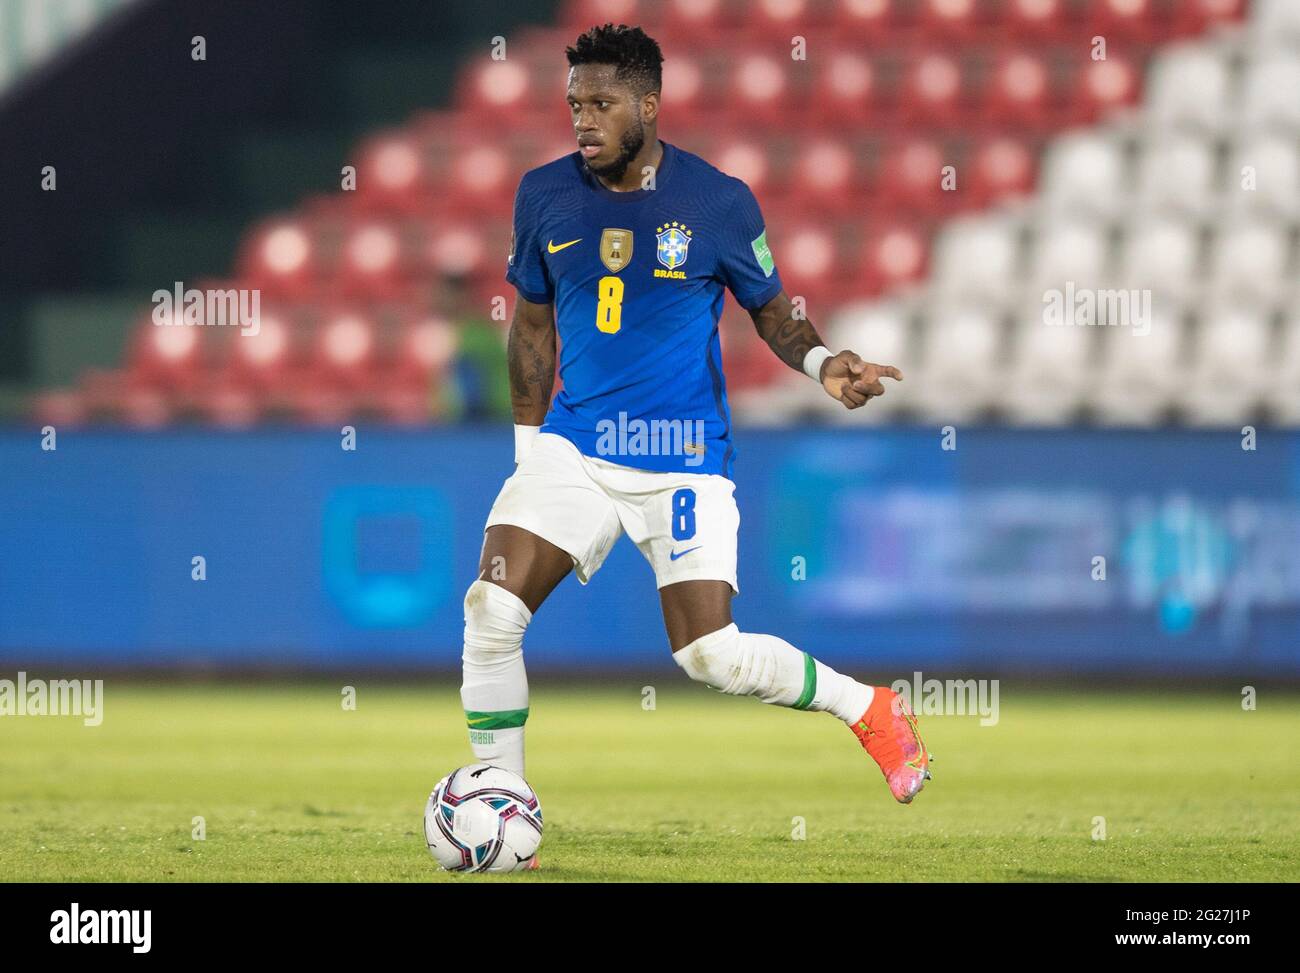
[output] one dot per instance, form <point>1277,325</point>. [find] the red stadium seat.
<point>759,88</point>
<point>746,160</point>
<point>346,349</point>
<point>874,21</point>
<point>845,89</point>
<point>931,93</point>
<point>1037,19</point>
<point>950,21</point>
<point>893,255</point>
<point>1133,20</point>
<point>912,177</point>
<point>1018,93</point>
<point>1003,167</point>
<point>1103,86</point>
<point>1195,16</point>
<point>392,174</point>
<point>825,174</point>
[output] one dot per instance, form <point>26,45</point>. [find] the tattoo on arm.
<point>530,352</point>
<point>789,337</point>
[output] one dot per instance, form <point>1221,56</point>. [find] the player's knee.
<point>712,659</point>
<point>495,621</point>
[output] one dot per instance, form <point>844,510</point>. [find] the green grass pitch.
<point>702,787</point>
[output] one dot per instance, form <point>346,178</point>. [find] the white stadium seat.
<point>879,332</point>
<point>1084,175</point>
<point>1283,387</point>
<point>1051,369</point>
<point>1068,251</point>
<point>1231,353</point>
<point>1270,163</point>
<point>1161,255</point>
<point>1188,87</point>
<point>977,259</point>
<point>961,371</point>
<point>1139,373</point>
<point>1176,174</point>
<point>1250,262</point>
<point>1275,21</point>
<point>1271,93</point>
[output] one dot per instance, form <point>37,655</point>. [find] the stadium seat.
<point>931,95</point>
<point>1283,385</point>
<point>1018,94</point>
<point>844,93</point>
<point>1161,255</point>
<point>1003,169</point>
<point>1189,87</point>
<point>1176,175</point>
<point>1251,262</point>
<point>1051,367</point>
<point>1100,88</point>
<point>1231,352</point>
<point>1275,21</point>
<point>959,374</point>
<point>1268,94</point>
<point>758,89</point>
<point>880,331</point>
<point>893,255</point>
<point>1140,374</point>
<point>976,259</point>
<point>1263,177</point>
<point>1061,253</point>
<point>825,175</point>
<point>911,178</point>
<point>1084,175</point>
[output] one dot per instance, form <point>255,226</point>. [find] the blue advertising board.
<point>1167,552</point>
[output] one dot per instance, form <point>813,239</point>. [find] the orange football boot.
<point>887,731</point>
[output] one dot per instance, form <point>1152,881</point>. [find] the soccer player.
<point>625,247</point>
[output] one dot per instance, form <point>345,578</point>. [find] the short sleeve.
<point>745,263</point>
<point>525,268</point>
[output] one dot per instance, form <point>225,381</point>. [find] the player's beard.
<point>629,145</point>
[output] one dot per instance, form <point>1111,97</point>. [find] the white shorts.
<point>684,523</point>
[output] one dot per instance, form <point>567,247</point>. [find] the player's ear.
<point>649,107</point>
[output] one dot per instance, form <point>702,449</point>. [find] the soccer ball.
<point>482,818</point>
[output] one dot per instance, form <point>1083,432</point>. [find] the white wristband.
<point>524,436</point>
<point>812,362</point>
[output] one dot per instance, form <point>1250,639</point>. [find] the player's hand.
<point>852,381</point>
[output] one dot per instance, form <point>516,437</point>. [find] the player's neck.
<point>651,154</point>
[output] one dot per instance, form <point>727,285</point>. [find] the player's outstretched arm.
<point>845,377</point>
<point>530,351</point>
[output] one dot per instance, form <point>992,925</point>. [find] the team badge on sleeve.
<point>674,240</point>
<point>762,254</point>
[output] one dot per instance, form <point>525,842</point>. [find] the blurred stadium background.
<point>1170,164</point>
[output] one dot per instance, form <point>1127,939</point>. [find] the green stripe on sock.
<point>809,683</point>
<point>503,720</point>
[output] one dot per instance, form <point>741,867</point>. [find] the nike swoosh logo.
<point>552,248</point>
<point>673,555</point>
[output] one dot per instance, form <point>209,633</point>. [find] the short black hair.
<point>635,55</point>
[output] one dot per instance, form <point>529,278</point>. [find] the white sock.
<point>741,664</point>
<point>494,690</point>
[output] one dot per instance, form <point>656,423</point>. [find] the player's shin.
<point>494,689</point>
<point>741,664</point>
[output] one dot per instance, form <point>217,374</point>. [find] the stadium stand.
<point>933,174</point>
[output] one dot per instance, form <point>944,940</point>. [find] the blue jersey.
<point>637,282</point>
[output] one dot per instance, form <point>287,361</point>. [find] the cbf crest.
<point>615,249</point>
<point>674,241</point>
